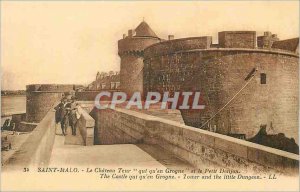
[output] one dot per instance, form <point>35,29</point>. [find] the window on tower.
<point>263,78</point>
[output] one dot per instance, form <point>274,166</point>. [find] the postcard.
<point>149,95</point>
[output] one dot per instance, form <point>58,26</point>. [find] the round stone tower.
<point>41,97</point>
<point>131,51</point>
<point>243,88</point>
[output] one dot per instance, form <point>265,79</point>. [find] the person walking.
<point>72,106</point>
<point>61,115</point>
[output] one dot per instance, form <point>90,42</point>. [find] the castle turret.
<point>131,51</point>
<point>267,40</point>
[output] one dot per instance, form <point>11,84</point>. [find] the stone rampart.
<point>36,150</point>
<point>237,39</point>
<point>270,98</point>
<point>191,144</point>
<point>172,46</point>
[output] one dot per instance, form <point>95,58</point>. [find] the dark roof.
<point>143,30</point>
<point>288,44</point>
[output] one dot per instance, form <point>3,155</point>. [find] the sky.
<point>69,41</point>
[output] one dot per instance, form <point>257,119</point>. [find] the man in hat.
<point>72,107</point>
<point>61,115</point>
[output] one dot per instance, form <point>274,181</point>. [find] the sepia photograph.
<point>149,95</point>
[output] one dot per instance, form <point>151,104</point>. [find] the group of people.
<point>66,113</point>
<point>8,125</point>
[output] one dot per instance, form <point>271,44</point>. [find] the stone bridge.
<point>132,138</point>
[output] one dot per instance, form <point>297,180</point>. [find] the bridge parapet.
<point>198,147</point>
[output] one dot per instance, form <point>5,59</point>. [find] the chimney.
<point>274,35</point>
<point>124,36</point>
<point>130,33</point>
<point>170,37</point>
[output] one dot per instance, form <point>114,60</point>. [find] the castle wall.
<point>51,87</point>
<point>36,150</point>
<point>40,98</point>
<point>237,39</point>
<point>198,147</point>
<point>219,74</point>
<point>171,46</point>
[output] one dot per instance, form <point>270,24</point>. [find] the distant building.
<point>105,81</point>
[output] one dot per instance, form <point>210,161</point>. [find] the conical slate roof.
<point>143,30</point>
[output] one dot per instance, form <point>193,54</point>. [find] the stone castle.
<point>263,71</point>
<point>245,81</point>
<point>248,84</point>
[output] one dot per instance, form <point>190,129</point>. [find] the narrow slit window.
<point>263,78</point>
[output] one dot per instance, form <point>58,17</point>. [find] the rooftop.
<point>144,30</point>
